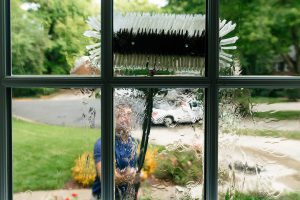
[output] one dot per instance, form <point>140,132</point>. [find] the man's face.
<point>123,119</point>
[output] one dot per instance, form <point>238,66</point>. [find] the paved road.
<point>68,112</point>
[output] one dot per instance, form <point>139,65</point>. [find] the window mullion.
<point>211,101</point>
<point>5,104</point>
<point>107,136</point>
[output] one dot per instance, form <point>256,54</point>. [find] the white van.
<point>187,112</point>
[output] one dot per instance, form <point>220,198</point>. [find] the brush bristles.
<point>158,23</point>
<point>168,41</point>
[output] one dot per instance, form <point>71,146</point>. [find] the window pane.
<point>161,38</point>
<point>53,142</point>
<point>259,142</point>
<point>172,164</point>
<point>50,37</point>
<point>268,37</point>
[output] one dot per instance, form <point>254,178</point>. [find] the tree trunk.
<point>295,39</point>
<point>297,62</point>
<point>289,61</point>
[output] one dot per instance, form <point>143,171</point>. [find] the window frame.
<point>212,82</point>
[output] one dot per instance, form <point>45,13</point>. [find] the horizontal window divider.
<point>160,82</point>
<point>155,82</point>
<point>259,81</point>
<point>51,81</point>
<point>57,81</point>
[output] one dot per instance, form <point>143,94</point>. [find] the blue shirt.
<point>125,155</point>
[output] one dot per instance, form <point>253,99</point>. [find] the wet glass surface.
<point>159,38</point>
<point>53,138</point>
<point>258,144</point>
<point>171,167</point>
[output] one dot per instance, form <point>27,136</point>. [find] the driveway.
<point>292,106</point>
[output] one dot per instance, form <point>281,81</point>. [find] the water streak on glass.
<point>158,38</point>
<point>172,164</point>
<point>258,144</point>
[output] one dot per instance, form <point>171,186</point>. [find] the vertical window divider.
<point>211,101</point>
<point>5,104</point>
<point>107,135</point>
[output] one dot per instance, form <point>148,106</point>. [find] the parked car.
<point>187,112</point>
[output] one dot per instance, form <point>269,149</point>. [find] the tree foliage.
<point>185,6</point>
<point>49,39</point>
<point>266,30</point>
<point>64,21</point>
<point>29,41</point>
<point>135,6</point>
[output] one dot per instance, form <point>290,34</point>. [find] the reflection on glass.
<point>268,37</point>
<point>259,144</point>
<point>47,37</point>
<point>158,143</point>
<point>53,138</point>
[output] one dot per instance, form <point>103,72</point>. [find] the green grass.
<point>278,115</point>
<point>294,135</point>
<point>268,100</point>
<point>43,155</point>
<point>256,196</point>
<point>290,196</point>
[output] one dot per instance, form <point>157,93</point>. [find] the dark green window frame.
<point>212,82</point>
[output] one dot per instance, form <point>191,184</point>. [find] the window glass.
<point>168,164</point>
<point>259,144</point>
<point>53,139</point>
<point>268,38</point>
<point>161,38</point>
<point>49,37</point>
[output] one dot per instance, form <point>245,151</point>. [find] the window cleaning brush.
<point>160,41</point>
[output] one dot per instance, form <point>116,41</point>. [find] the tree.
<point>29,42</point>
<point>65,23</point>
<point>135,6</point>
<point>266,30</point>
<point>286,30</point>
<point>185,6</point>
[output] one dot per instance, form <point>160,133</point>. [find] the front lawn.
<point>268,100</point>
<point>278,115</point>
<point>43,155</point>
<point>293,135</point>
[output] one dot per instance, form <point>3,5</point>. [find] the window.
<point>210,80</point>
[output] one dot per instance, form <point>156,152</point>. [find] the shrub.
<point>242,196</point>
<point>84,170</point>
<point>32,92</point>
<point>180,165</point>
<point>293,94</point>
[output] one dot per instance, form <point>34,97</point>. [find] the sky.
<point>160,3</point>
<point>33,6</point>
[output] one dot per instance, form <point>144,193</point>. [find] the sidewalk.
<point>82,194</point>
